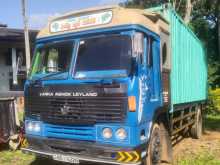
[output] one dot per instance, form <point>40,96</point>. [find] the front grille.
<point>109,108</point>
<point>82,133</point>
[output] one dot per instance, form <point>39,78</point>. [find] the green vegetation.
<point>18,158</point>
<point>202,158</point>
<point>15,158</point>
<point>212,122</point>
<point>21,115</point>
<point>214,101</point>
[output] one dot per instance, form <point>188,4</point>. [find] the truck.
<point>114,85</point>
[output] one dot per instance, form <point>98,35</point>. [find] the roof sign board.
<point>73,23</point>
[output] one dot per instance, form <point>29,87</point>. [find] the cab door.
<point>153,68</point>
<point>150,81</point>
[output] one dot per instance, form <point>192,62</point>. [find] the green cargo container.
<point>188,60</point>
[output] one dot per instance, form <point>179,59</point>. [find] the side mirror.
<point>137,50</point>
<point>138,44</point>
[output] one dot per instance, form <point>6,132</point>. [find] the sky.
<point>40,10</point>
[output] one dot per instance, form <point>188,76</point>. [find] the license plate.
<point>64,158</point>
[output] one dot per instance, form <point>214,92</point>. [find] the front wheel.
<point>154,151</point>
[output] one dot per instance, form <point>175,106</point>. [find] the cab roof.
<point>103,17</point>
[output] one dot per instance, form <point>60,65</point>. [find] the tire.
<point>154,151</point>
<point>167,150</point>
<point>197,128</point>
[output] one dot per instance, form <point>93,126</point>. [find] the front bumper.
<point>85,151</point>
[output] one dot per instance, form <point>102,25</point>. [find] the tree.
<point>183,7</point>
<point>189,7</point>
<point>202,16</point>
<point>219,28</point>
<point>205,23</point>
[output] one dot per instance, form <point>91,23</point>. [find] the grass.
<point>15,158</point>
<point>202,158</point>
<point>215,96</point>
<point>214,101</point>
<point>19,158</point>
<point>212,122</point>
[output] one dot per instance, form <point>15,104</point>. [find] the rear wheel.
<point>155,147</point>
<point>196,130</point>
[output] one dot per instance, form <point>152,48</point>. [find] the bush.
<point>214,101</point>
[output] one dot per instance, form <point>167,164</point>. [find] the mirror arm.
<point>134,67</point>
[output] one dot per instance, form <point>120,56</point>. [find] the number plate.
<point>64,158</point>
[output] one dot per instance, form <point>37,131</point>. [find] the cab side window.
<point>164,54</point>
<point>165,51</point>
<point>149,52</point>
<point>142,55</point>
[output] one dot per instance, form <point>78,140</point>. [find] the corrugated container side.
<point>189,65</point>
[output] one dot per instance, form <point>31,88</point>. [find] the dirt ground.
<point>209,144</point>
<point>204,151</point>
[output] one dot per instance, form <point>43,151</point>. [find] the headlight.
<point>121,134</point>
<point>37,127</point>
<point>107,133</point>
<point>33,126</point>
<point>30,126</point>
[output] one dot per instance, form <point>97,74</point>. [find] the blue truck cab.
<point>99,89</point>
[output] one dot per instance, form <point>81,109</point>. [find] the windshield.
<point>52,58</point>
<point>104,54</point>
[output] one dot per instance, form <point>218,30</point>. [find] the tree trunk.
<point>174,4</point>
<point>188,12</point>
<point>219,34</point>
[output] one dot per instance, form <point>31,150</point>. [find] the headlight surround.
<point>121,134</point>
<point>107,133</point>
<point>33,126</point>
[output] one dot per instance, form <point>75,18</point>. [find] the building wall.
<point>4,72</point>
